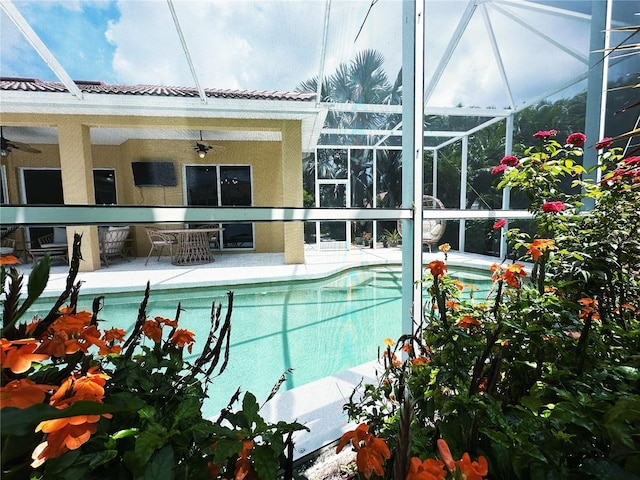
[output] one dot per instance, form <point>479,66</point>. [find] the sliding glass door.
<point>226,186</point>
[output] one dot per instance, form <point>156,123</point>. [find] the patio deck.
<point>317,404</point>
<point>230,269</point>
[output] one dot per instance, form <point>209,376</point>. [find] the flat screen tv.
<point>153,174</point>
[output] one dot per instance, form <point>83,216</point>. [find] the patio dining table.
<point>192,246</point>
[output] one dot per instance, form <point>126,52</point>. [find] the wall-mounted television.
<point>153,174</point>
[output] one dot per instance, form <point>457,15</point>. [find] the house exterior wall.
<point>276,170</point>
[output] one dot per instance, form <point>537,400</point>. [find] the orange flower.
<point>589,308</point>
<point>458,284</point>
<point>371,451</point>
<point>243,464</point>
<point>69,436</point>
<point>452,304</point>
<point>9,260</point>
<point>445,453</point>
<point>17,355</point>
<point>394,359</point>
<point>437,267</point>
<point>113,334</point>
<point>89,387</point>
<point>539,246</point>
<point>23,393</point>
<point>182,337</point>
<point>64,434</point>
<point>369,458</point>
<point>429,469</point>
<point>70,333</point>
<point>152,330</point>
<point>166,321</point>
<point>420,361</point>
<point>109,349</point>
<point>467,321</point>
<point>473,470</point>
<point>513,273</point>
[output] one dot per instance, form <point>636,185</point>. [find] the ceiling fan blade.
<point>22,146</point>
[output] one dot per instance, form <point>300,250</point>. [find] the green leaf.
<point>161,465</point>
<point>250,408</point>
<point>226,448</point>
<point>266,461</point>
<point>38,278</point>
<point>148,441</point>
<point>532,403</point>
<point>37,283</point>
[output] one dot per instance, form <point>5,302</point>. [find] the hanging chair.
<point>432,229</point>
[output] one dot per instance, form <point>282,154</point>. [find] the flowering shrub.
<point>81,401</point>
<point>542,377</point>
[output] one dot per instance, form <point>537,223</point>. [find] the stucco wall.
<point>265,158</point>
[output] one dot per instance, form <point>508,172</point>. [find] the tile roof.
<point>95,87</point>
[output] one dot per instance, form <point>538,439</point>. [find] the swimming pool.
<point>315,327</point>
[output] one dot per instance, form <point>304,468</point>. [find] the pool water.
<point>315,327</point>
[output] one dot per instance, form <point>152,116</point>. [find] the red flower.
<point>576,139</point>
<point>499,224</point>
<point>631,160</point>
<point>544,134</point>
<point>498,169</point>
<point>437,267</point>
<point>509,160</point>
<point>552,207</point>
<point>604,143</point>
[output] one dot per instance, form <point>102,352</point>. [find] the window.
<point>226,186</point>
<point>4,193</point>
<point>104,184</point>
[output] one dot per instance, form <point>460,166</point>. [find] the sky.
<point>277,44</point>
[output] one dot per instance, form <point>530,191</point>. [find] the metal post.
<point>596,85</point>
<point>463,191</point>
<point>412,158</point>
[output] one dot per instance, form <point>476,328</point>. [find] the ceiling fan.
<point>8,145</point>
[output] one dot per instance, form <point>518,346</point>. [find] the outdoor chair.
<point>214,238</point>
<point>112,243</point>
<point>432,229</point>
<point>159,240</point>
<point>7,246</point>
<point>46,245</point>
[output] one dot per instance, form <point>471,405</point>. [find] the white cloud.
<point>276,44</point>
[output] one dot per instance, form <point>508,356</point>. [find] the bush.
<point>542,378</point>
<point>80,401</point>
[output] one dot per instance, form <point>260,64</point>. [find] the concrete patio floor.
<point>230,269</point>
<point>318,404</point>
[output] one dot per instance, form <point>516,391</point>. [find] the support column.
<point>292,189</point>
<point>412,159</point>
<point>596,87</point>
<point>76,166</point>
<point>464,166</point>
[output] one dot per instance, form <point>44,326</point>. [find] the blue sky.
<point>275,44</point>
